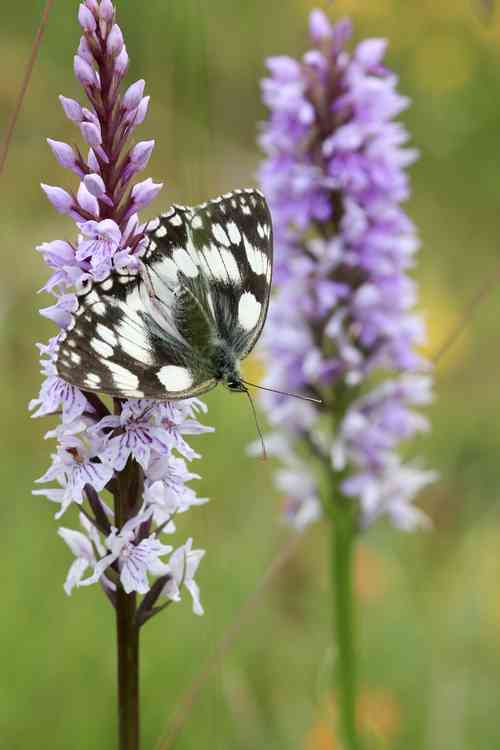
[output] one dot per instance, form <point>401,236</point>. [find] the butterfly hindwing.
<point>205,278</point>
<point>120,343</point>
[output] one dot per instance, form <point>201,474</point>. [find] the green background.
<point>429,603</point>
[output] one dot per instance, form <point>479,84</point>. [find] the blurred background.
<point>429,603</point>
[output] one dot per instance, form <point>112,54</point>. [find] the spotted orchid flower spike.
<point>133,303</point>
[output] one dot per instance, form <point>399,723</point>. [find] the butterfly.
<point>184,322</point>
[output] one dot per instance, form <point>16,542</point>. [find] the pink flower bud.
<point>319,25</point>
<point>137,116</point>
<point>140,154</point>
<point>84,51</point>
<point>102,154</point>
<point>93,5</point>
<point>369,53</point>
<point>86,19</point>
<point>106,10</point>
<point>137,159</point>
<point>285,69</point>
<point>121,63</point>
<point>91,133</point>
<point>317,60</point>
<point>95,185</point>
<point>92,161</point>
<point>133,95</point>
<point>114,42</point>
<point>60,199</point>
<point>145,192</point>
<point>72,109</point>
<point>65,155</point>
<point>87,201</point>
<point>341,33</point>
<point>91,116</point>
<point>84,72</point>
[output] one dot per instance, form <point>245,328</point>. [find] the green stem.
<point>343,540</point>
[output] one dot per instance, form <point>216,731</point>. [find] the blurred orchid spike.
<point>343,316</point>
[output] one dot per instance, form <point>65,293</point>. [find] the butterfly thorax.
<point>226,366</point>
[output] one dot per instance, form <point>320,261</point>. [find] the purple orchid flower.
<point>132,452</point>
<point>343,314</point>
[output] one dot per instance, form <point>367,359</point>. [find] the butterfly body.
<point>186,320</point>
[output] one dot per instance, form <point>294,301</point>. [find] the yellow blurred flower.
<point>378,717</point>
<point>253,369</point>
<point>371,574</point>
<point>321,738</point>
<point>442,318</point>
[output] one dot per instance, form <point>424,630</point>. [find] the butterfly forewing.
<point>233,236</point>
<point>205,278</point>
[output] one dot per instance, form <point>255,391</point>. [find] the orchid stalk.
<point>122,466</point>
<point>342,325</point>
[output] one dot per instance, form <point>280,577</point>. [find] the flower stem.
<point>128,671</point>
<point>343,538</point>
<point>128,489</point>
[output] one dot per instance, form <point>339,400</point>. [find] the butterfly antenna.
<point>284,393</point>
<point>259,431</point>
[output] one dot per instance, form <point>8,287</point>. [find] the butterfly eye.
<point>235,385</point>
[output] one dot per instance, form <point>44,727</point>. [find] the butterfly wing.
<point>222,250</point>
<point>232,236</point>
<point>126,341</point>
<point>206,276</point>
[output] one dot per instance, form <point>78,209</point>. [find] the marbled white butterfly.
<point>184,322</point>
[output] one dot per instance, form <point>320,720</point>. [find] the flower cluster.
<point>138,453</point>
<point>343,314</point>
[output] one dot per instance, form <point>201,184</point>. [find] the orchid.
<point>119,464</point>
<point>136,558</point>
<point>342,328</point>
<point>343,315</point>
<point>183,565</point>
